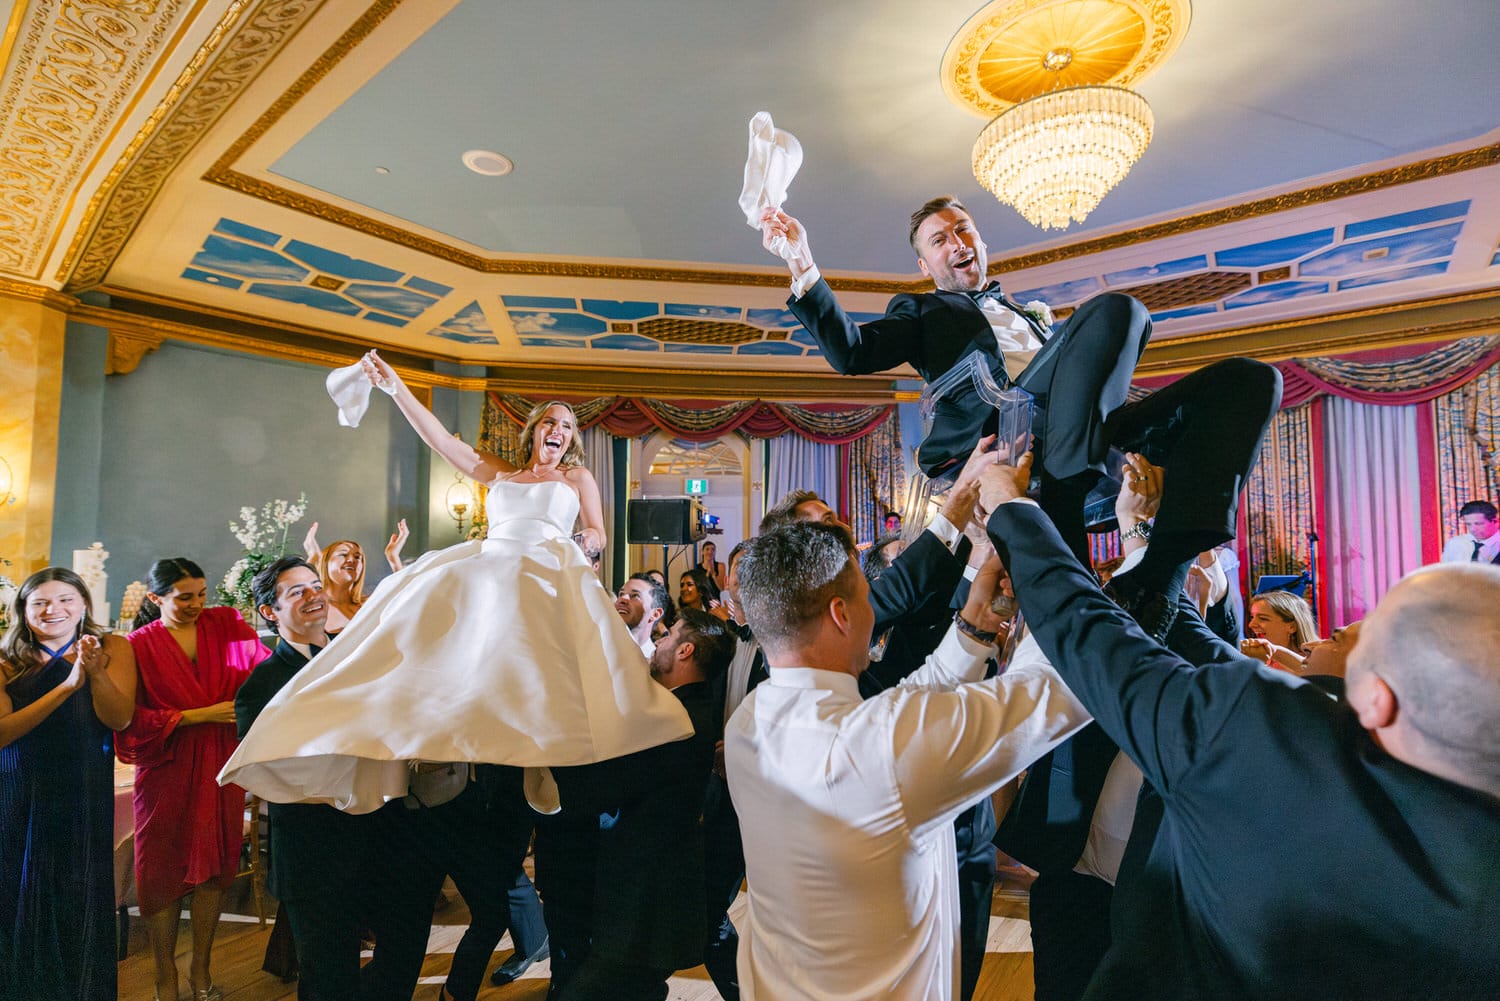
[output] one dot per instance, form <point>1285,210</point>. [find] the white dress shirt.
<point>1460,549</point>
<point>846,809</point>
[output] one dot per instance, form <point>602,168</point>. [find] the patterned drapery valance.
<point>1370,378</point>
<point>707,420</point>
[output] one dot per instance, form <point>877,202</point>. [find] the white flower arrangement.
<point>263,535</point>
<point>1040,312</point>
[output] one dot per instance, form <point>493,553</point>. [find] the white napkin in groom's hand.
<point>349,388</point>
<point>775,156</point>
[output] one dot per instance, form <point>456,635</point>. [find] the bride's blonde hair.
<point>572,455</point>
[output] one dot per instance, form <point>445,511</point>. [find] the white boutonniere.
<point>1040,312</point>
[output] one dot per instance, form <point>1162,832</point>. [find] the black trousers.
<point>325,929</point>
<point>406,874</point>
<point>976,891</point>
<point>723,872</point>
<point>1069,932</point>
<point>483,836</point>
<point>565,855</point>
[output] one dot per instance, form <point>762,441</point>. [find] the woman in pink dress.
<point>188,829</point>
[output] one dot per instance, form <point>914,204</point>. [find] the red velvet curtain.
<point>708,420</point>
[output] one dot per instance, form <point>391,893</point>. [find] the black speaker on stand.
<point>672,521</point>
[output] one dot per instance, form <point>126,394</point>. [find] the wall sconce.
<point>7,483</point>
<point>459,500</point>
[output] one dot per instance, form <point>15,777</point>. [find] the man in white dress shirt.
<point>1480,541</point>
<point>847,805</point>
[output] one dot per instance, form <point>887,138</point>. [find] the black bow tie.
<point>990,291</point>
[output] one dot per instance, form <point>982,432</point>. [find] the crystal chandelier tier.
<point>1055,81</point>
<point>1055,156</point>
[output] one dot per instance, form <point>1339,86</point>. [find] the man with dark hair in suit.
<point>1307,847</point>
<point>630,932</point>
<point>1210,421</point>
<point>316,852</point>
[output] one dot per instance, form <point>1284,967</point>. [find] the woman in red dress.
<point>188,830</point>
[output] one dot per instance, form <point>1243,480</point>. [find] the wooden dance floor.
<point>241,945</point>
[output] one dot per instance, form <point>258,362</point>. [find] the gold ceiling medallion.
<point>1066,129</point>
<point>1012,50</point>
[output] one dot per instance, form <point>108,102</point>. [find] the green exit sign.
<point>695,488</point>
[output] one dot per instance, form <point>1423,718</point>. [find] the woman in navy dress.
<point>66,686</point>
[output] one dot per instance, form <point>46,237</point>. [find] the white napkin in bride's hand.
<point>775,156</point>
<point>349,389</point>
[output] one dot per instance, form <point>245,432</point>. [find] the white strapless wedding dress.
<point>505,650</point>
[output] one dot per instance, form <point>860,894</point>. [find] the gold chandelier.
<point>1055,156</point>
<point>1051,76</point>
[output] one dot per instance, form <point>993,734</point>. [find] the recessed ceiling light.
<point>382,170</point>
<point>488,162</point>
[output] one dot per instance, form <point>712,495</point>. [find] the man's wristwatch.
<point>1142,530</point>
<point>972,631</point>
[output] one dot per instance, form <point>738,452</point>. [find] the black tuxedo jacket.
<point>931,332</point>
<point>315,850</point>
<point>1295,858</point>
<point>925,573</point>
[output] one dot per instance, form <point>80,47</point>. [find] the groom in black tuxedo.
<point>1210,421</point>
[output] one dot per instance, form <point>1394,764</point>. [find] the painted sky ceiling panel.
<point>556,323</point>
<point>538,302</point>
<point>703,312</point>
<point>679,328</point>
<point>1279,251</point>
<point>211,279</point>
<point>341,265</point>
<point>304,274</point>
<point>1417,217</point>
<point>1420,271</point>
<point>1060,292</point>
<point>1277,292</point>
<point>247,232</point>
<point>1383,253</point>
<point>614,309</point>
<point>468,326</point>
<point>1167,269</point>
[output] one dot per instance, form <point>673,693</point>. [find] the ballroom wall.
<point>158,461</point>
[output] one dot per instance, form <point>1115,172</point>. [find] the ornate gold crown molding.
<point>134,334</point>
<point>12,289</point>
<point>74,72</point>
<point>184,115</point>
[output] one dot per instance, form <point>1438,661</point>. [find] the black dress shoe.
<point>518,964</point>
<point>1150,608</point>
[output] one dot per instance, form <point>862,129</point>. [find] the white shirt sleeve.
<point>946,531</point>
<point>808,280</point>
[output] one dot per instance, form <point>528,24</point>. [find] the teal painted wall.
<point>159,461</point>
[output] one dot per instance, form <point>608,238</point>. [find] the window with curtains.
<point>696,458</point>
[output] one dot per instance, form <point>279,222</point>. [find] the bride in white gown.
<point>506,649</point>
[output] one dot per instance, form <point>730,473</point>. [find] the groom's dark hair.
<point>930,208</point>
